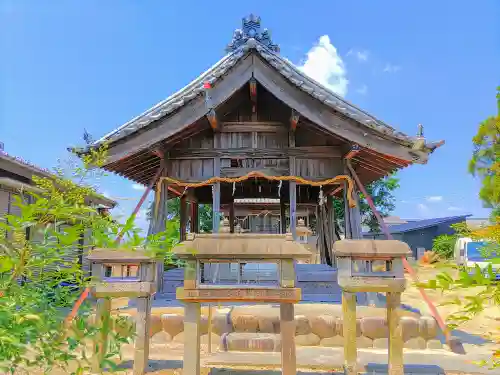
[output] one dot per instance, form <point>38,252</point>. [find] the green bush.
<point>444,245</point>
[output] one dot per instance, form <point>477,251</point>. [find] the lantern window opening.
<point>237,273</point>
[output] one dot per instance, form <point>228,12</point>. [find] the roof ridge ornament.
<point>251,30</point>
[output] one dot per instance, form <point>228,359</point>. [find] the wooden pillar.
<point>282,215</point>
<point>395,334</point>
<point>287,324</point>
<point>231,216</point>
<point>216,198</point>
<point>331,228</point>
<point>143,322</point>
<point>293,188</point>
<point>352,215</point>
<point>160,221</point>
<point>191,363</point>
<point>194,222</point>
<point>103,320</point>
<point>183,218</point>
<point>349,327</point>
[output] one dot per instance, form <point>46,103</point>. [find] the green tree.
<point>33,332</point>
<point>382,193</point>
<point>485,162</point>
<point>174,209</point>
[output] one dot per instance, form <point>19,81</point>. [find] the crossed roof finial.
<point>251,29</point>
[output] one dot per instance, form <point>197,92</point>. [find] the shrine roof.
<point>241,246</point>
<point>251,39</point>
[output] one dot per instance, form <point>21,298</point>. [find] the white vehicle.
<point>468,254</point>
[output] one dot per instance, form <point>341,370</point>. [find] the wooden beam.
<point>355,149</point>
<point>293,188</point>
<point>267,153</point>
<point>183,218</point>
<point>253,126</point>
<point>253,94</point>
<point>294,120</point>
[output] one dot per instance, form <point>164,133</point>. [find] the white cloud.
<point>106,194</point>
<point>454,208</point>
<point>360,55</point>
<point>390,68</point>
<point>324,65</point>
<point>363,90</point>
<point>138,187</point>
<point>434,198</point>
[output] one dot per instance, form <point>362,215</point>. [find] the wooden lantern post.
<point>120,273</point>
<point>204,251</point>
<point>371,266</point>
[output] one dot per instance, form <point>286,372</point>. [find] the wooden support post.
<point>395,334</point>
<point>349,326</point>
<point>216,198</point>
<point>331,227</point>
<point>287,273</point>
<point>103,320</point>
<point>191,363</point>
<point>143,322</point>
<point>282,215</point>
<point>293,189</point>
<point>287,325</point>
<point>183,218</point>
<point>354,216</point>
<point>194,222</point>
<point>231,217</point>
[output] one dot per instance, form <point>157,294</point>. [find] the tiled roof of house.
<point>426,223</point>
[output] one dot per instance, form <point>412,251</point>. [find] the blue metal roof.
<point>422,224</point>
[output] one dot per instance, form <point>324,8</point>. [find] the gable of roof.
<point>426,223</point>
<point>251,39</point>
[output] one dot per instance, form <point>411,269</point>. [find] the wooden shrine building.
<point>254,111</point>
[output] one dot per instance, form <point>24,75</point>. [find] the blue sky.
<point>70,65</point>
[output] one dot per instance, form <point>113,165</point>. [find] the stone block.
<point>173,324</point>
<point>155,325</point>
<point>269,324</point>
<point>415,343</point>
<point>333,341</point>
<point>410,327</point>
<point>245,323</point>
<point>302,325</point>
<point>309,339</point>
<point>364,342</point>
<point>374,327</point>
<point>381,343</point>
<point>252,342</point>
<point>220,324</point>
<point>161,338</point>
<point>216,341</point>
<point>434,344</point>
<point>324,326</point>
<point>428,327</point>
<point>340,327</point>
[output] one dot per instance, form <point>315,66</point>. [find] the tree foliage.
<point>39,281</point>
<point>174,208</point>
<point>444,245</point>
<point>382,194</point>
<point>485,162</point>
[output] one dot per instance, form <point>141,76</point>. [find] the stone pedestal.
<point>191,363</point>
<point>287,325</point>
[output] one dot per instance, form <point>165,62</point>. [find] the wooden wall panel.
<point>191,169</point>
<point>318,168</point>
<point>235,140</point>
<point>270,140</point>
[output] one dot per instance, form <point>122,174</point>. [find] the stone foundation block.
<point>269,324</point>
<point>324,326</point>
<point>309,339</point>
<point>340,327</point>
<point>374,327</point>
<point>220,324</point>
<point>428,327</point>
<point>338,341</point>
<point>415,343</point>
<point>245,323</point>
<point>155,325</point>
<point>173,324</point>
<point>410,327</point>
<point>381,343</point>
<point>302,325</point>
<point>253,342</point>
<point>161,338</point>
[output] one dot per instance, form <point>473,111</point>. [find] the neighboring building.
<point>16,177</point>
<point>478,222</point>
<point>420,234</point>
